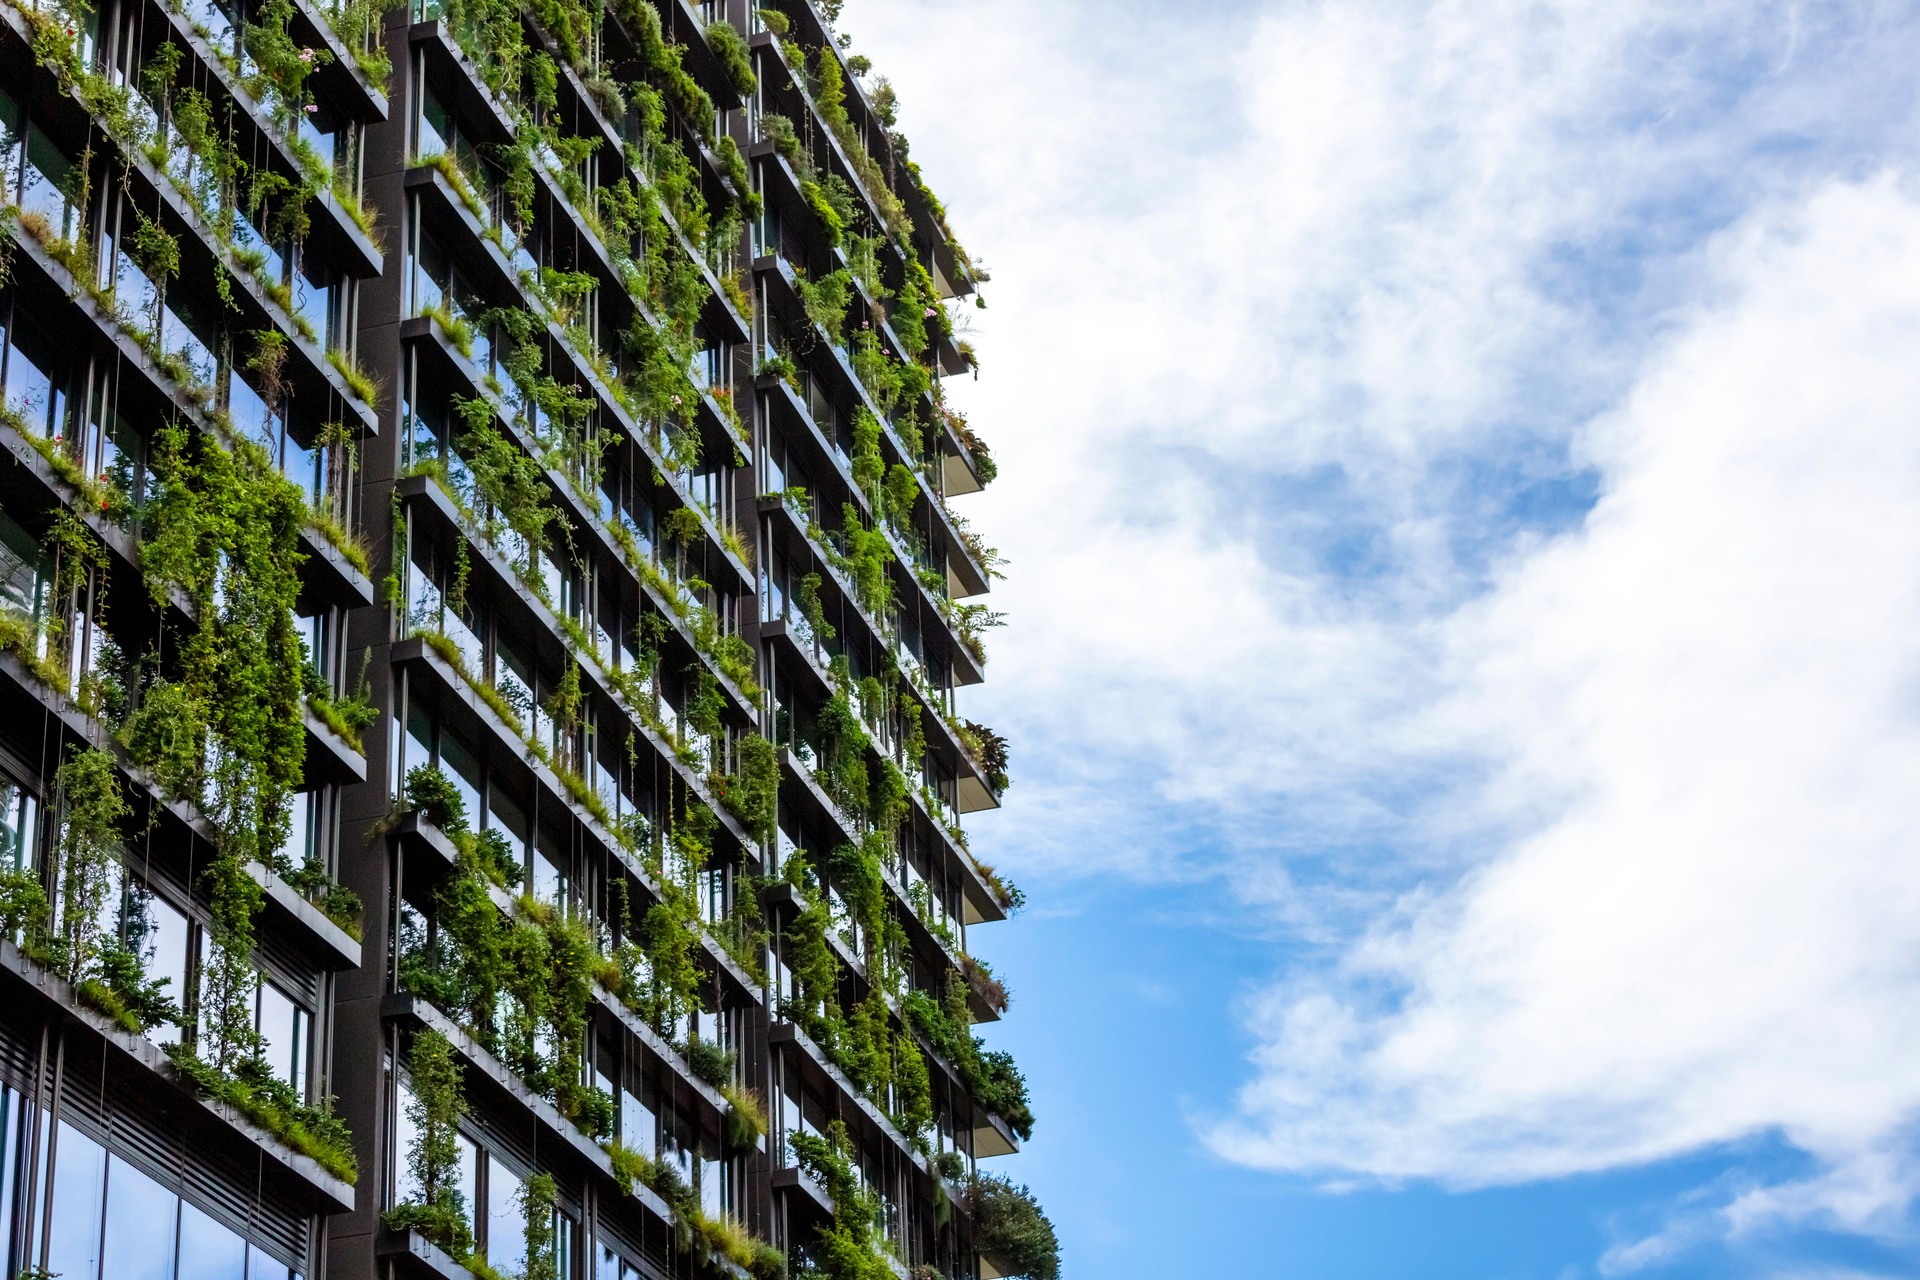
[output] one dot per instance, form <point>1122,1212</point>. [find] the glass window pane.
<point>261,1266</point>
<point>469,1177</point>
<point>46,171</point>
<point>506,1224</point>
<point>140,1221</point>
<point>462,765</point>
<point>249,413</point>
<point>79,1176</point>
<point>283,1036</point>
<point>157,931</point>
<point>29,390</point>
<point>299,844</point>
<point>13,1120</point>
<point>208,1251</point>
<point>405,1133</point>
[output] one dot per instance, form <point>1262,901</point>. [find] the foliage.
<point>900,489</point>
<point>512,484</point>
<point>434,795</point>
<point>826,300</point>
<point>226,533</point>
<point>662,59</point>
<point>358,381</point>
<point>846,1248</point>
<point>94,808</point>
<point>865,556</point>
<point>990,1076</point>
<point>709,1062</point>
<point>519,983</point>
<point>439,1213</point>
<point>537,1198</point>
<point>272,1104</point>
<point>730,48</point>
<point>753,792</point>
<point>990,749</point>
<point>745,1121</point>
<point>1010,1228</point>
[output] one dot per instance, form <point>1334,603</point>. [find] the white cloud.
<point>1704,708</point>
<point>1270,281</point>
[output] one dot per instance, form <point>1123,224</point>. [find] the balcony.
<point>820,1072</point>
<point>423,494</point>
<point>472,713</point>
<point>498,1085</point>
<point>427,334</point>
<point>22,694</point>
<point>27,984</point>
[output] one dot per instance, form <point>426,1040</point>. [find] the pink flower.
<point>311,108</point>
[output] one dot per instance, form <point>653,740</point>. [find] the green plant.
<point>434,795</point>
<point>1010,1228</point>
<point>537,1198</point>
<point>826,300</point>
<point>456,327</point>
<point>709,1062</point>
<point>751,794</point>
<point>439,1211</point>
<point>846,1247</point>
<point>361,384</point>
<point>745,1122</point>
<point>338,903</point>
<point>901,488</point>
<point>93,809</point>
<point>271,1103</point>
<point>736,61</point>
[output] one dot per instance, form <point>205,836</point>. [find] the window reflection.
<point>79,1176</point>
<point>140,1225</point>
<point>506,1224</point>
<point>208,1251</point>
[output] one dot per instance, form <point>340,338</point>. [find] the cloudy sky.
<point>1461,478</point>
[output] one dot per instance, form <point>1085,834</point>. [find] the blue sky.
<point>1461,484</point>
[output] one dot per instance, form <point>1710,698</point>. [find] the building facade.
<point>483,625</point>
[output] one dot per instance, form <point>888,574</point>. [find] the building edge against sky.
<point>483,617</point>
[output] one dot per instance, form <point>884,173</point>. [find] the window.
<point>19,819</point>
<point>509,818</point>
<point>430,743</point>
<point>639,1123</point>
<point>303,827</point>
<point>162,936</point>
<point>23,572</point>
<point>141,1213</point>
<point>44,183</point>
<point>147,1232</point>
<point>405,1188</point>
<point>208,1251</point>
<point>79,1177</point>
<point>285,1032</point>
<point>36,376</point>
<point>612,1266</point>
<point>506,1243</point>
<point>550,870</point>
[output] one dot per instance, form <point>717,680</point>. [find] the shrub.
<point>1010,1228</point>
<point>433,794</point>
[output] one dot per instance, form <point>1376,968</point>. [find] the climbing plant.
<point>437,1210</point>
